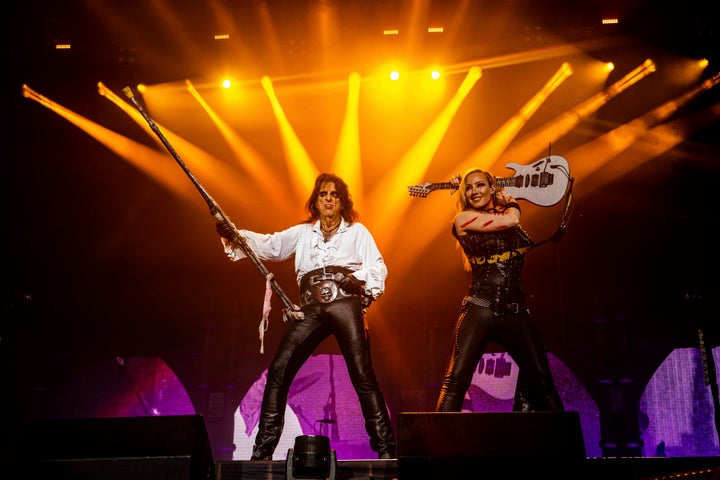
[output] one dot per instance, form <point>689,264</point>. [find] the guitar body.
<point>543,183</point>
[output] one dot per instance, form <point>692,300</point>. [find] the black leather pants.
<point>476,327</point>
<point>344,319</point>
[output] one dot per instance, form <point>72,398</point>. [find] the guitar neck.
<point>441,186</point>
<point>543,183</point>
<point>500,182</point>
<point>509,181</point>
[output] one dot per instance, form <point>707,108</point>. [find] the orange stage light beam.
<point>533,144</point>
<point>300,166</point>
<point>249,159</point>
<point>206,166</point>
<point>347,162</point>
<point>145,159</point>
<point>598,153</point>
<point>389,198</point>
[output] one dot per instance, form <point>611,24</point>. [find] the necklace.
<point>328,232</point>
<point>331,229</point>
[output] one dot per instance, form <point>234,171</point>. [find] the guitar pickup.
<point>546,179</point>
<point>539,180</point>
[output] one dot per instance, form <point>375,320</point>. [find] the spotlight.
<point>311,457</point>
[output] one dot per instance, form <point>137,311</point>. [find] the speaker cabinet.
<point>136,448</point>
<point>463,444</point>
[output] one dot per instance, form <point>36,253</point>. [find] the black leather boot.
<point>377,425</point>
<point>521,401</point>
<point>272,419</point>
<point>450,400</point>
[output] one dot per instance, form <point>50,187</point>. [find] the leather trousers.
<point>345,320</point>
<point>476,327</point>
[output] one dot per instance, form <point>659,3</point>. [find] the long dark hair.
<point>347,211</point>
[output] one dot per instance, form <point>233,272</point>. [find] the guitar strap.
<point>569,203</point>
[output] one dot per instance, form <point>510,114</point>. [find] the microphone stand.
<point>215,209</point>
<point>706,356</point>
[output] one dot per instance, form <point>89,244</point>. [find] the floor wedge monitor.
<point>139,448</point>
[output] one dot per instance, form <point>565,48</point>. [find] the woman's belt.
<point>320,286</point>
<point>481,302</point>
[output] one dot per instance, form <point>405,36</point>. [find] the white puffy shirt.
<point>352,246</point>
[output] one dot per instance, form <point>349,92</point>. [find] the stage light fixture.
<point>311,457</point>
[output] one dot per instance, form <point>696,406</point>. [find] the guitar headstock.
<point>422,190</point>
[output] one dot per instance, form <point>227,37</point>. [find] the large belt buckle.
<point>324,291</point>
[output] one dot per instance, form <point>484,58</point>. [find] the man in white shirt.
<point>340,271</point>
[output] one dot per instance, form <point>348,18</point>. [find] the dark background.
<point>98,260</point>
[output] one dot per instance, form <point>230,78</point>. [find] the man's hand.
<point>225,230</point>
<point>352,285</point>
<point>293,315</point>
<point>365,301</point>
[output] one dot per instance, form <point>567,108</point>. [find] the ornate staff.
<point>220,216</point>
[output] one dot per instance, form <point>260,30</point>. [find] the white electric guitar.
<point>543,183</point>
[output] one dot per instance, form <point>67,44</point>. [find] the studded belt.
<point>320,286</point>
<point>481,302</point>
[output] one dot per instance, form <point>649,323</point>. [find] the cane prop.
<point>292,311</point>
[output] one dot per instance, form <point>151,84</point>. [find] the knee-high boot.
<point>452,394</point>
<point>272,419</point>
<point>537,394</point>
<point>522,400</point>
<point>377,424</point>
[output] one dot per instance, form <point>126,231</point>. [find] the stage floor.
<point>654,468</point>
<point>277,470</point>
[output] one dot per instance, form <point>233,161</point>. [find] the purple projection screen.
<point>675,412</point>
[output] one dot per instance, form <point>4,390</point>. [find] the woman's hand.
<point>455,182</point>
<point>502,196</point>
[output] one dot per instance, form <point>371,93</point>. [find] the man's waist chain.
<point>320,286</point>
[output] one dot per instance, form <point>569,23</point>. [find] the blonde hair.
<point>461,201</point>
<point>499,203</point>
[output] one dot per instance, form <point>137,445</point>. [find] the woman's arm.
<point>470,220</point>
